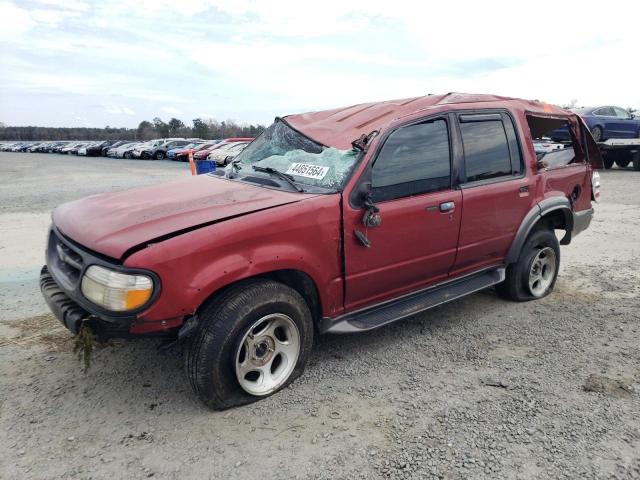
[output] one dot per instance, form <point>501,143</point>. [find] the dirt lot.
<point>478,388</point>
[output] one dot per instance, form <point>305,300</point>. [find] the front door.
<point>415,244</point>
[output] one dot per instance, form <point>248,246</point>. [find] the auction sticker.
<point>308,171</point>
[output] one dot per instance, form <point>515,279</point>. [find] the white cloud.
<point>254,60</point>
<point>171,110</point>
<point>118,110</point>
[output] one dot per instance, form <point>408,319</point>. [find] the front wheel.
<point>534,275</point>
<point>252,340</point>
<point>596,132</point>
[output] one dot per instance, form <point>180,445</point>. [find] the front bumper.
<point>60,283</point>
<point>73,316</point>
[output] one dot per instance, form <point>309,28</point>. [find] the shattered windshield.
<point>306,162</point>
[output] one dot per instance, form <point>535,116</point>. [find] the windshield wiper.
<point>279,174</point>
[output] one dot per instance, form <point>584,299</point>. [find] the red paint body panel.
<point>302,236</point>
<point>415,246</point>
<point>491,215</point>
<point>112,223</point>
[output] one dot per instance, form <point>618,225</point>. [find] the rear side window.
<point>413,160</point>
<point>486,149</point>
<point>605,111</point>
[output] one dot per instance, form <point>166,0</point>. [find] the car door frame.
<point>363,184</point>
<point>523,181</point>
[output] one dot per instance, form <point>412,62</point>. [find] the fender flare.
<point>531,219</point>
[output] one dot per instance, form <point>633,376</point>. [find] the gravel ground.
<point>478,388</point>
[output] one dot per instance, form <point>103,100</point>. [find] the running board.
<point>408,305</point>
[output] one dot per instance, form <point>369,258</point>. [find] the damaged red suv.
<point>337,221</point>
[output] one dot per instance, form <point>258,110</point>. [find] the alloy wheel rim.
<point>542,271</point>
<point>267,354</point>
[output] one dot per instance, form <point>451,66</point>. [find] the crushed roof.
<point>340,126</point>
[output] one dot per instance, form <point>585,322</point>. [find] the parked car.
<point>107,147</point>
<point>184,150</point>
<point>72,148</point>
<point>95,149</point>
<point>123,151</point>
<point>159,151</point>
<point>330,222</point>
<point>204,153</point>
<point>605,123</point>
<point>227,152</point>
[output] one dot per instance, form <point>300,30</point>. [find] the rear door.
<point>415,244</point>
<point>606,117</point>
<point>495,191</point>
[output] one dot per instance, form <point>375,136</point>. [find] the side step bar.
<point>408,305</point>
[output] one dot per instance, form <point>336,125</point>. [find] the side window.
<point>621,112</point>
<point>413,160</point>
<point>486,149</point>
<point>605,111</point>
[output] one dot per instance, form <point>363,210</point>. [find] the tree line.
<point>157,128</point>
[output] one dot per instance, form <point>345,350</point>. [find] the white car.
<point>220,154</point>
<point>123,151</point>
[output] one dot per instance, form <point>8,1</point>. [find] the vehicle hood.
<point>113,223</point>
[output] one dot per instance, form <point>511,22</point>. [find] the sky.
<point>118,62</point>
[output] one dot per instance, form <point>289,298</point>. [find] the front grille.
<point>65,261</point>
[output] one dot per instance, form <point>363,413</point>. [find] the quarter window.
<point>413,160</point>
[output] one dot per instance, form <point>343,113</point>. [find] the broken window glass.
<point>288,151</point>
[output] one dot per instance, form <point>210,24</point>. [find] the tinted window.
<point>486,150</point>
<point>413,160</point>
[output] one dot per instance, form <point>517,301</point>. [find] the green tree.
<point>175,125</point>
<point>200,128</point>
<point>145,131</point>
<point>162,128</point>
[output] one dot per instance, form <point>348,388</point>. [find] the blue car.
<point>604,122</point>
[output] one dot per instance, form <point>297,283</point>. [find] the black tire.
<point>596,132</point>
<point>210,354</point>
<point>516,284</point>
<point>623,160</point>
<point>636,161</point>
<point>607,161</point>
<point>159,155</point>
<point>127,155</point>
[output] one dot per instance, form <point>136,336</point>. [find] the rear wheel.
<point>622,159</point>
<point>159,155</point>
<point>127,155</point>
<point>636,161</point>
<point>534,274</point>
<point>253,340</point>
<point>607,161</point>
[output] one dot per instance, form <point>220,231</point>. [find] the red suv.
<point>337,221</point>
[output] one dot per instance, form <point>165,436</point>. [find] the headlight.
<point>116,291</point>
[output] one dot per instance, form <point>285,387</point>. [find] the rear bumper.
<point>581,221</point>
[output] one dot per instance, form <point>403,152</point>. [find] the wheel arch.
<point>553,212</point>
<point>300,281</point>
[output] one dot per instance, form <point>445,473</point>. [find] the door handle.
<point>447,206</point>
